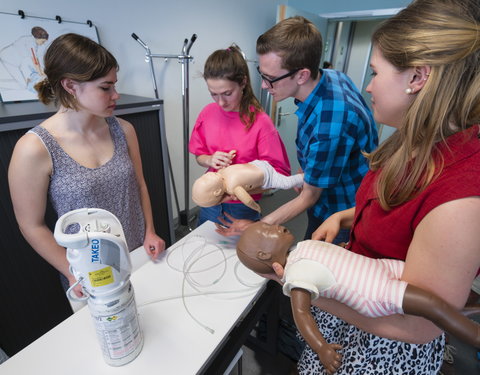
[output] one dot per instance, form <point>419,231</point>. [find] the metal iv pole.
<point>184,59</point>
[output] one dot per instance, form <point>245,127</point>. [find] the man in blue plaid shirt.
<point>334,127</point>
<point>335,124</point>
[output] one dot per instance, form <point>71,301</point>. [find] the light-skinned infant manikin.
<point>238,180</point>
<point>318,269</point>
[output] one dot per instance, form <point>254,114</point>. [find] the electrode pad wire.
<point>195,255</point>
<point>239,279</point>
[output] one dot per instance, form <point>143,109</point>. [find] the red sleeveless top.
<point>377,233</point>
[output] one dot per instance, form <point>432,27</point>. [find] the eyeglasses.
<point>270,82</point>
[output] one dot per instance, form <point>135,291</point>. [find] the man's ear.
<point>419,78</point>
<point>263,255</point>
<point>303,75</point>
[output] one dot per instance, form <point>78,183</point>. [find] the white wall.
<point>163,25</point>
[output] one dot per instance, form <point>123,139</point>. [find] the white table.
<point>174,343</point>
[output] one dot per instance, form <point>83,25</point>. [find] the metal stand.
<point>184,59</point>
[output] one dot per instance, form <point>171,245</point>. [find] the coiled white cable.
<point>195,255</point>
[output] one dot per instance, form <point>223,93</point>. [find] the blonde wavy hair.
<point>445,35</point>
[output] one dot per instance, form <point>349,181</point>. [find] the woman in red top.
<point>420,201</point>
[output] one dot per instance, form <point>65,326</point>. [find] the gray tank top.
<point>112,186</point>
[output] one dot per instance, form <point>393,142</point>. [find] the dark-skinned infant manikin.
<point>240,180</point>
<point>319,269</point>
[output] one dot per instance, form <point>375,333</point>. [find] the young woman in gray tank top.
<point>81,156</point>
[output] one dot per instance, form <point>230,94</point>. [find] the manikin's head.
<point>262,244</point>
<point>208,190</point>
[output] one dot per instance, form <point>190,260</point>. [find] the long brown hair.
<point>72,56</point>
<point>445,35</point>
<point>230,64</point>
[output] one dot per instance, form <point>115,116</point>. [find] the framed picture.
<point>23,43</point>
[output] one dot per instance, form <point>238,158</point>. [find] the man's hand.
<point>233,227</point>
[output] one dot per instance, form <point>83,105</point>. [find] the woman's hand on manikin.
<point>221,159</point>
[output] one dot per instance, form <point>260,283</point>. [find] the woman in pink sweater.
<point>234,129</point>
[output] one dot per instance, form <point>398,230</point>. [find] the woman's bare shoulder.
<point>30,156</point>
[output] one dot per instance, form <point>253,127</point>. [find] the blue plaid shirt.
<point>334,126</point>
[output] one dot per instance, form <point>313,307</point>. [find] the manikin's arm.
<point>417,301</point>
<point>301,302</point>
<point>243,196</point>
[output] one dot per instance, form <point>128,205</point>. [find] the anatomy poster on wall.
<point>23,42</point>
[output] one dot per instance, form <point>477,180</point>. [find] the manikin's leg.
<point>275,180</point>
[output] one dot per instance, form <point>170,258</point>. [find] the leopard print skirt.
<point>367,354</point>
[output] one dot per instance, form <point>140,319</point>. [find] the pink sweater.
<point>218,130</point>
